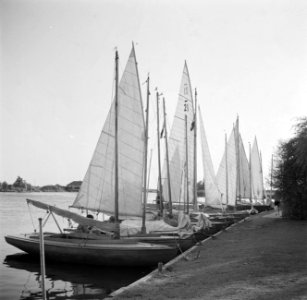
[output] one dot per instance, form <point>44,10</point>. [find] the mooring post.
<point>42,257</point>
<point>160,267</point>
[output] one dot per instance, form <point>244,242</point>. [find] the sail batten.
<point>99,179</point>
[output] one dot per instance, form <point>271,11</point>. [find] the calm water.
<point>20,274</point>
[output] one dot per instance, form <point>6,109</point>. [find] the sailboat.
<point>179,156</point>
<point>257,187</point>
<point>233,177</point>
<point>213,205</point>
<point>226,177</point>
<point>179,171</point>
<point>212,194</point>
<point>113,185</point>
<point>257,175</point>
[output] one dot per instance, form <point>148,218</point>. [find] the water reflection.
<point>65,281</point>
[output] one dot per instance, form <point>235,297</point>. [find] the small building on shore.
<point>74,186</point>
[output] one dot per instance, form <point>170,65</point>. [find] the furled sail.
<point>177,142</point>
<point>106,226</point>
<point>97,190</point>
<point>230,158</point>
<point>212,193</point>
<point>257,175</point>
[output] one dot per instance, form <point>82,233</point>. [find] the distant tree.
<point>29,187</point>
<point>19,183</point>
<point>290,175</point>
<point>4,186</point>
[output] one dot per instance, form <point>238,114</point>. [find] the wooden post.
<point>250,177</point>
<point>272,178</point>
<point>167,164</point>
<point>187,160</point>
<point>143,230</point>
<point>226,169</point>
<point>160,267</point>
<point>149,169</point>
<point>159,156</point>
<point>237,141</point>
<point>42,257</point>
<point>116,210</point>
<point>195,156</point>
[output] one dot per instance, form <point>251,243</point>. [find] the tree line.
<point>21,185</point>
<point>290,173</point>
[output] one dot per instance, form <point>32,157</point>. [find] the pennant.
<point>192,125</point>
<point>162,132</point>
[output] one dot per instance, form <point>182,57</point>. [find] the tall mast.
<point>238,160</point>
<point>116,148</point>
<point>167,163</point>
<point>145,161</point>
<point>226,169</point>
<point>250,176</point>
<point>262,186</point>
<point>195,156</point>
<point>149,169</point>
<point>160,193</point>
<point>272,177</point>
<point>187,160</point>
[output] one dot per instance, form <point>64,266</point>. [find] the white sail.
<point>183,187</point>
<point>231,171</point>
<point>97,190</point>
<point>177,141</point>
<point>244,172</point>
<point>257,176</point>
<point>212,193</point>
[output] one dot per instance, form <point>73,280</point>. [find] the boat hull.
<point>107,253</point>
<point>180,243</point>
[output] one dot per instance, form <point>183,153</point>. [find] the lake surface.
<point>20,274</point>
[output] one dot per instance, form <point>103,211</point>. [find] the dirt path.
<point>264,257</point>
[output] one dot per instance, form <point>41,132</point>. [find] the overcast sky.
<point>57,69</point>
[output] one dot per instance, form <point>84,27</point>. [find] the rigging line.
<point>31,217</point>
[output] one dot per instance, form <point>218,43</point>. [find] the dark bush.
<point>290,175</point>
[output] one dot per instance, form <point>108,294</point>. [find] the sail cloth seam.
<point>130,159</point>
<point>130,73</point>
<point>131,121</point>
<point>107,133</point>
<point>128,134</point>
<point>172,138</point>
<point>124,107</point>
<point>129,171</point>
<point>185,98</point>
<point>130,146</point>
<point>177,117</point>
